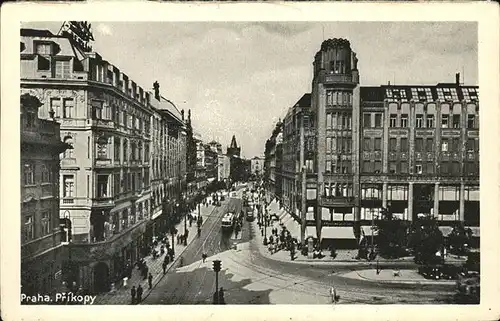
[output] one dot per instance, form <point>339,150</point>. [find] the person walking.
<point>221,296</point>
<point>164,265</point>
<point>150,281</point>
<point>132,294</point>
<point>139,294</point>
<point>204,256</point>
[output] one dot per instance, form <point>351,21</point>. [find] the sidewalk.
<point>389,276</point>
<point>343,256</point>
<point>122,294</point>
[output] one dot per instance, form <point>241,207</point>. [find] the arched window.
<point>68,153</point>
<point>46,174</point>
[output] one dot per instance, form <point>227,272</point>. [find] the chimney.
<point>156,87</point>
<point>182,113</point>
<point>457,79</point>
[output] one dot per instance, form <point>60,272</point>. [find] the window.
<point>45,174</point>
<point>393,120</point>
<point>328,166</point>
<point>117,149</point>
<point>328,144</point>
<point>29,174</point>
<point>102,186</point>
<point>30,119</point>
<point>404,144</point>
<point>367,143</point>
<point>367,166</point>
<point>444,121</point>
<point>63,69</point>
<point>404,167</point>
<point>429,145</point>
<point>69,184</point>
<point>404,120</point>
<point>378,167</point>
<point>97,110</point>
<point>455,168</point>
<point>55,105</point>
<point>392,168</point>
<point>378,120</point>
<point>378,144</point>
<point>419,144</point>
<point>102,148</point>
<point>68,153</point>
<point>470,121</point>
<point>125,151</point>
<point>329,97</point>
<point>68,104</point>
<point>419,121</point>
<point>430,121</point>
<point>328,120</point>
<point>418,169</point>
<point>472,145</point>
<point>29,232</point>
<point>146,152</point>
<point>392,144</point>
<point>455,145</point>
<point>429,168</point>
<point>139,150</point>
<point>367,120</point>
<point>445,168</point>
<point>456,121</point>
<point>43,49</point>
<point>45,223</point>
<point>444,145</point>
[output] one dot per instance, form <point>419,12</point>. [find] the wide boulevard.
<point>248,277</point>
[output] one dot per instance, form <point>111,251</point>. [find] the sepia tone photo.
<point>278,169</point>
<point>352,189</point>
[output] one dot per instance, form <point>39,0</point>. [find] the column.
<point>384,195</point>
<point>410,202</point>
<point>461,216</point>
<point>436,200</point>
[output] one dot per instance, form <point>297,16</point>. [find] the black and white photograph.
<point>322,163</point>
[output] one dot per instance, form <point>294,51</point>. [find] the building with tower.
<point>233,149</point>
<point>349,151</point>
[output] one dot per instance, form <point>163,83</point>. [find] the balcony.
<point>101,123</point>
<point>336,201</point>
<point>338,78</point>
<point>103,202</point>
<point>68,162</point>
<point>103,162</point>
<point>111,245</point>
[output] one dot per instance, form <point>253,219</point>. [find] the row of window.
<point>338,98</point>
<point>337,120</point>
<point>30,229</point>
<point>446,168</point>
<point>30,171</point>
<point>130,182</point>
<point>338,144</point>
<point>374,120</point>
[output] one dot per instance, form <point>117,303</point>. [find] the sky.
<point>240,78</point>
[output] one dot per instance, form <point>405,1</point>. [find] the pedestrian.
<point>146,269</point>
<point>204,256</point>
<point>150,281</point>
<point>333,294</point>
<point>216,297</point>
<point>132,294</point>
<point>221,296</point>
<point>164,265</point>
<point>139,293</point>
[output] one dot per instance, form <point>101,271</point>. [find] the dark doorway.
<point>101,277</point>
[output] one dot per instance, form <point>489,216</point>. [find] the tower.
<point>335,103</point>
<point>233,149</point>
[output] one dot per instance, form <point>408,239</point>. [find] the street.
<point>248,277</point>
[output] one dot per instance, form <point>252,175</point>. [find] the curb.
<point>426,282</point>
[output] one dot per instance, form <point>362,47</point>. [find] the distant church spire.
<point>233,143</point>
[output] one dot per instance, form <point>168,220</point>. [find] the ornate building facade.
<point>42,250</point>
<point>411,149</point>
<point>105,178</point>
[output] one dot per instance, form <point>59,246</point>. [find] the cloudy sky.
<point>241,77</point>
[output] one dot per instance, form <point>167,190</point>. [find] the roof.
<point>304,101</point>
<point>167,106</point>
<point>422,93</point>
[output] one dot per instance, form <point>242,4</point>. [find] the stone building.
<point>105,178</point>
<point>257,166</point>
<point>42,249</point>
<point>412,149</point>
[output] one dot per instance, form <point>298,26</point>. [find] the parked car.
<point>439,271</point>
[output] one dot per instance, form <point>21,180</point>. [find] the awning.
<point>210,180</point>
<point>337,232</point>
<point>368,230</point>
<point>475,230</point>
<point>445,230</point>
<point>155,215</point>
<point>121,207</point>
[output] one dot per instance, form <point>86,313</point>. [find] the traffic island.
<point>403,276</point>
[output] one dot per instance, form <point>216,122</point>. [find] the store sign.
<point>80,32</point>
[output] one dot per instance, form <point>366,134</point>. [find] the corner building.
<point>105,177</point>
<point>411,149</point>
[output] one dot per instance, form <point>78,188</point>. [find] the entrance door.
<point>101,277</point>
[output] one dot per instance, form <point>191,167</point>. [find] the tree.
<point>459,239</point>
<point>392,235</point>
<point>426,240</point>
